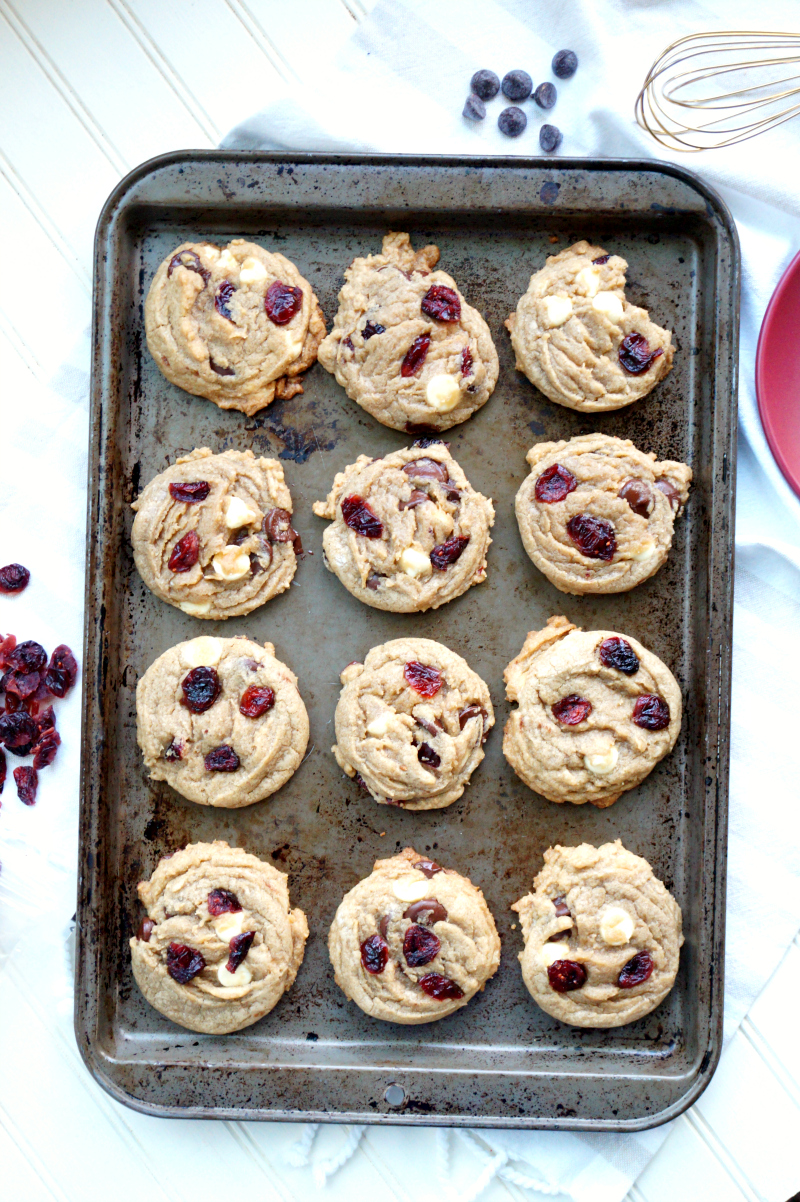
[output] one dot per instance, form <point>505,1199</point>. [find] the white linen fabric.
<point>399,86</point>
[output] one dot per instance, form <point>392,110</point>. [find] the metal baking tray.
<point>499,1062</point>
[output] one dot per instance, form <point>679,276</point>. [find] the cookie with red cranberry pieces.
<point>602,936</point>
<point>413,942</point>
<point>578,338</point>
<point>219,944</point>
<point>595,712</point>
<point>411,722</point>
<point>596,515</point>
<point>405,345</point>
<point>236,324</point>
<point>408,532</point>
<point>221,721</point>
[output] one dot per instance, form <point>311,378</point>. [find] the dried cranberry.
<point>222,299</point>
<point>219,370</point>
<point>636,971</point>
<point>670,492</point>
<point>600,260</point>
<point>441,988</point>
<point>420,946</point>
<point>18,732</point>
<point>471,711</point>
<point>185,553</point>
<point>21,684</point>
<point>441,303</point>
<point>427,469</point>
<point>572,710</point>
<point>240,945</point>
<point>222,901</point>
<point>375,954</point>
<point>618,653</point>
<point>594,537</point>
<point>2,769</point>
<point>27,783</point>
<point>13,578</point>
<point>44,752</point>
<point>256,701</point>
<point>562,909</point>
<point>418,497</point>
<point>7,643</point>
<point>427,911</point>
<point>415,356</point>
<point>184,963</point>
<point>221,759</point>
<point>201,687</point>
<point>46,720</point>
<point>359,516</point>
<point>554,484</point>
<point>466,362</point>
<point>426,755</point>
<point>649,712</point>
<point>62,671</point>
<point>638,495</point>
<point>424,679</point>
<point>189,260</point>
<point>146,928</point>
<point>635,356</point>
<point>27,657</point>
<point>372,328</point>
<point>189,491</point>
<point>13,702</point>
<point>282,302</point>
<point>374,581</point>
<point>448,552</point>
<point>428,868</point>
<point>565,975</point>
<point>348,342</point>
<point>173,752</point>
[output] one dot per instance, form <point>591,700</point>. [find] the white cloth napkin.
<point>399,86</point>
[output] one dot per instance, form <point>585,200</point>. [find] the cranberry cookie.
<point>219,946</point>
<point>602,936</point>
<point>213,533</point>
<point>413,942</point>
<point>408,532</point>
<point>411,723</point>
<point>237,325</point>
<point>596,515</point>
<point>595,713</point>
<point>578,339</point>
<point>405,345</point>
<point>221,721</point>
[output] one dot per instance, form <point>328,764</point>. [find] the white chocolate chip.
<point>294,348</point>
<point>231,564</point>
<point>443,393</point>
<point>411,888</point>
<point>587,281</point>
<point>608,303</point>
<point>239,513</point>
<point>554,951</point>
<point>602,762</point>
<point>616,926</point>
<point>195,609</point>
<point>252,271</point>
<point>210,253</point>
<point>379,726</point>
<point>232,980</point>
<point>227,262</point>
<point>414,562</point>
<point>202,653</point>
<point>228,925</point>
<point>557,310</point>
<point>646,551</point>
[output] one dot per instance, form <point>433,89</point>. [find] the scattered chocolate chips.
<point>441,988</point>
<point>449,551</point>
<point>239,947</point>
<point>201,687</point>
<point>185,553</point>
<point>639,496</point>
<point>635,356</point>
<point>359,516</point>
<point>418,497</point>
<point>618,653</point>
<point>562,909</point>
<point>383,926</point>
<point>424,679</point>
<point>441,304</point>
<point>512,122</point>
<point>428,911</point>
<point>554,484</point>
<point>485,84</point>
<point>223,901</point>
<point>670,492</point>
<point>374,954</point>
<point>282,302</point>
<point>545,95</point>
<point>27,780</point>
<point>636,971</point>
<point>571,710</point>
<point>474,109</point>
<point>431,726</point>
<point>471,711</point>
<point>191,261</point>
<point>517,85</point>
<point>566,975</point>
<point>550,138</point>
<point>13,578</point>
<point>221,759</point>
<point>565,64</point>
<point>426,755</point>
<point>415,356</point>
<point>184,963</point>
<point>371,329</point>
<point>219,370</point>
<point>651,712</point>
<point>189,491</point>
<point>420,946</point>
<point>594,537</point>
<point>426,469</point>
<point>146,928</point>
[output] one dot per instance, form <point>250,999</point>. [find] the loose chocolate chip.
<point>545,95</point>
<point>223,901</point>
<point>565,64</point>
<point>636,971</point>
<point>651,712</point>
<point>426,755</point>
<point>550,138</point>
<point>201,687</point>
<point>517,85</point>
<point>428,911</point>
<point>423,678</point>
<point>191,261</point>
<point>594,537</point>
<point>239,947</point>
<point>639,496</point>
<point>572,710</point>
<point>560,903</point>
<point>428,868</point>
<point>374,954</point>
<point>189,491</point>
<point>441,988</point>
<point>13,578</point>
<point>184,963</point>
<point>670,492</point>
<point>221,759</point>
<point>371,329</point>
<point>512,122</point>
<point>485,84</point>
<point>277,526</point>
<point>146,927</point>
<point>565,975</point>
<point>420,946</point>
<point>474,109</point>
<point>426,469</point>
<point>635,356</point>
<point>618,653</point>
<point>554,484</point>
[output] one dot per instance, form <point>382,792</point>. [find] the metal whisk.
<point>681,107</point>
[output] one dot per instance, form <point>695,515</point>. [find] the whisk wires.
<point>681,105</point>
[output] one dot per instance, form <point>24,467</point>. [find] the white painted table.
<point>88,89</point>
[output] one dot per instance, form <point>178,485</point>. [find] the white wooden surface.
<point>88,89</point>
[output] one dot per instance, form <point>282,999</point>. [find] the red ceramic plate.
<point>778,374</point>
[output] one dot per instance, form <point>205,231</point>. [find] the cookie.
<point>596,514</point>
<point>411,723</point>
<point>221,721</point>
<point>595,713</point>
<point>413,942</point>
<point>408,531</point>
<point>579,340</point>
<point>237,325</point>
<point>219,946</point>
<point>405,345</point>
<point>213,533</point>
<point>602,936</point>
